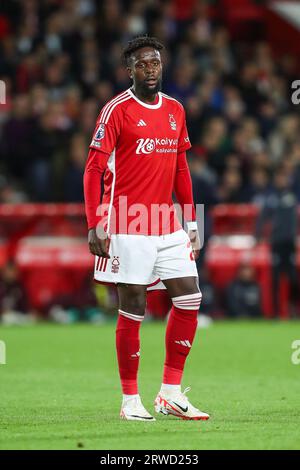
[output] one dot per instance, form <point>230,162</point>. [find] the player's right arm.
<point>103,142</point>
<point>94,170</point>
<point>264,216</point>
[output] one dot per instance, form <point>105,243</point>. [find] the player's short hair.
<point>138,43</point>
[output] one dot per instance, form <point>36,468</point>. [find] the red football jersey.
<point>142,142</point>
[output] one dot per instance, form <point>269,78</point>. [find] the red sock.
<point>180,333</point>
<point>128,350</point>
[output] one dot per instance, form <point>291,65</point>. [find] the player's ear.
<point>129,70</point>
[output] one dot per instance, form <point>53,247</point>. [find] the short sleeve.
<point>184,141</point>
<point>106,133</point>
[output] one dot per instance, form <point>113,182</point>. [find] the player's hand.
<point>98,246</point>
<point>195,242</point>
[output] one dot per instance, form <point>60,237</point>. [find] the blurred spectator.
<point>286,133</point>
<point>230,190</point>
<point>205,194</point>
<point>17,143</point>
<point>258,189</point>
<point>234,106</point>
<point>75,169</point>
<point>60,61</point>
<point>208,303</point>
<point>280,210</point>
<point>243,295</point>
<point>182,86</point>
<point>61,64</point>
<point>9,193</point>
<point>13,300</point>
<point>215,143</point>
<point>90,302</point>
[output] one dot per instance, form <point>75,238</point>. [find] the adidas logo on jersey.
<point>141,123</point>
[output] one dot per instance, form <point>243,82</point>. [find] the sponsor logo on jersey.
<point>141,123</point>
<point>145,146</point>
<point>166,141</point>
<point>172,122</point>
<point>164,145</point>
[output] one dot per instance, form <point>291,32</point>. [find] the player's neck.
<point>152,99</point>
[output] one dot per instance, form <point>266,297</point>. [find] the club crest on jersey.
<point>145,146</point>
<point>172,122</point>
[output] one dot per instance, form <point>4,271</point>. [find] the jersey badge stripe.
<point>113,107</point>
<point>106,112</point>
<point>109,103</point>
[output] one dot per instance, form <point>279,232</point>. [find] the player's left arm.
<point>183,185</point>
<point>184,194</point>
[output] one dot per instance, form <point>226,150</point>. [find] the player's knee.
<point>188,302</point>
<point>134,301</point>
<point>182,286</point>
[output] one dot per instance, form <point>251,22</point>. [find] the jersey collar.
<point>149,106</point>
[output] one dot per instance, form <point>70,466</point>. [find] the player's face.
<point>146,71</point>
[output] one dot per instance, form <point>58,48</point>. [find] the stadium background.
<point>231,63</point>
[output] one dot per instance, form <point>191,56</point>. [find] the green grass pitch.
<point>60,389</point>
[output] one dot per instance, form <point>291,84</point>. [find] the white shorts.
<point>145,260</point>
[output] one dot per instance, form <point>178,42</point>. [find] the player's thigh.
<point>182,286</point>
<point>132,298</point>
<point>175,264</point>
<point>132,259</point>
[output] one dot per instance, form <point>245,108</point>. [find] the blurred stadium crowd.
<point>60,61</point>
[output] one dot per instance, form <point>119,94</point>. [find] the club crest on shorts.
<point>115,265</point>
